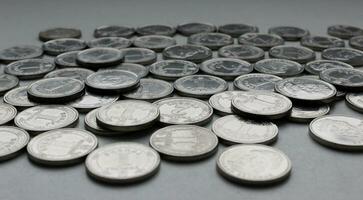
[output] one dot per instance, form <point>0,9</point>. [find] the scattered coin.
<point>256,81</point>
<point>226,68</point>
<point>211,40</point>
<point>221,102</point>
<point>12,141</point>
<point>91,101</point>
<point>68,59</point>
<point>344,79</point>
<point>58,33</point>
<point>99,57</point>
<point>235,30</point>
<point>156,30</point>
<point>154,42</point>
<point>76,73</point>
<point>290,33</point>
<point>344,31</point>
<point>140,56</point>
<point>356,42</point>
<point>150,90</point>
<point>244,52</point>
<point>90,124</point>
<point>139,70</point>
<point>173,69</point>
<point>355,101</point>
<point>59,46</point>
<point>350,56</point>
<point>193,53</point>
<point>262,40</point>
<point>279,67</point>
<point>113,31</point>
<point>188,29</point>
<point>20,52</point>
<point>30,68</point>
<point>7,82</point>
<point>306,114</point>
<point>7,113</point>
<point>18,97</point>
<point>317,66</point>
<point>110,42</point>
<point>298,54</point>
<point>319,43</point>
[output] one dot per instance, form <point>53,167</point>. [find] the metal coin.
<point>59,46</point>
<point>183,111</point>
<point>57,33</point>
<point>319,43</point>
<point>262,40</point>
<point>113,31</point>
<point>154,42</point>
<point>256,81</point>
<point>68,59</point>
<point>317,66</point>
<point>235,30</point>
<point>279,67</point>
<point>7,113</point>
<point>306,114</point>
<point>344,79</point>
<point>127,115</point>
<point>200,86</point>
<point>184,142</point>
<point>355,101</point>
<point>7,82</point>
<point>91,101</point>
<point>173,69</point>
<point>18,97</point>
<point>76,73</point>
<point>211,40</point>
<point>139,70</point>
<point>344,31</point>
<point>233,129</point>
<point>99,57</point>
<point>150,90</point>
<point>298,54</point>
<point>30,68</point>
<point>193,53</point>
<point>20,52</point>
<point>356,42</point>
<point>122,162</point>
<point>289,33</point>
<point>12,141</point>
<point>140,56</point>
<point>62,146</point>
<point>226,68</point>
<point>110,42</point>
<point>253,164</point>
<point>90,124</point>
<point>188,29</point>
<point>338,132</point>
<point>350,56</point>
<point>221,102</point>
<point>156,30</point>
<point>244,52</point>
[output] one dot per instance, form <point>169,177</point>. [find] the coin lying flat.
<point>113,31</point>
<point>183,111</point>
<point>290,33</point>
<point>193,53</point>
<point>91,101</point>
<point>90,124</point>
<point>30,68</point>
<point>18,97</point>
<point>211,40</point>
<point>122,162</point>
<point>150,90</point>
<point>200,86</point>
<point>7,82</point>
<point>221,102</point>
<point>110,42</point>
<point>256,81</point>
<point>154,42</point>
<point>7,113</point>
<point>355,101</point>
<point>57,33</point>
<point>233,129</point>
<point>344,31</point>
<point>61,146</point>
<point>76,73</point>
<point>279,67</point>
<point>295,53</point>
<point>20,52</point>
<point>99,57</point>
<point>306,114</point>
<point>226,68</point>
<point>235,30</point>
<point>173,69</point>
<point>12,141</point>
<point>46,117</point>
<point>59,46</point>
<point>317,66</point>
<point>156,29</point>
<point>350,56</point>
<point>184,142</point>
<point>319,43</point>
<point>338,132</point>
<point>188,29</point>
<point>140,56</point>
<point>244,52</point>
<point>262,40</point>
<point>344,79</point>
<point>68,59</point>
<point>139,70</point>
<point>356,42</point>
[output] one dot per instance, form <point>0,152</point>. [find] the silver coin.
<point>20,52</point>
<point>184,142</point>
<point>90,101</point>
<point>355,101</point>
<point>261,40</point>
<point>30,68</point>
<point>140,56</point>
<point>151,90</point>
<point>319,43</point>
<point>90,124</point>
<point>211,40</point>
<point>68,59</point>
<point>233,129</point>
<point>127,115</point>
<point>59,32</point>
<point>173,69</point>
<point>139,70</point>
<point>113,31</point>
<point>298,54</point>
<point>46,117</point>
<point>59,46</point>
<point>339,132</point>
<point>235,29</point>
<point>191,28</point>
<point>253,164</point>
<point>317,66</point>
<point>289,33</point>
<point>279,67</point>
<point>156,29</point>
<point>7,82</point>
<point>183,111</point>
<point>12,140</point>
<point>356,42</point>
<point>244,52</point>
<point>193,53</point>
<point>61,146</point>
<point>76,73</point>
<point>99,57</point>
<point>226,68</point>
<point>350,56</point>
<point>344,79</point>
<point>256,81</point>
<point>154,42</point>
<point>7,113</point>
<point>18,97</point>
<point>221,102</point>
<point>306,114</point>
<point>110,42</point>
<point>344,31</point>
<point>122,162</point>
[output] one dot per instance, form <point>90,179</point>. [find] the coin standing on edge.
<point>7,113</point>
<point>12,140</point>
<point>221,102</point>
<point>306,114</point>
<point>256,81</point>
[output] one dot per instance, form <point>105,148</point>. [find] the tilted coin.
<point>344,79</point>
<point>122,162</point>
<point>59,46</point>
<point>253,164</point>
<point>344,31</point>
<point>20,52</point>
<point>193,53</point>
<point>7,82</point>
<point>110,42</point>
<point>184,142</point>
<point>338,132</point>
<point>127,115</point>
<point>262,40</point>
<point>355,101</point>
<point>233,129</point>
<point>55,90</point>
<point>140,56</point>
<point>306,114</point>
<point>279,67</point>
<point>211,40</point>
<point>191,28</point>
<point>244,52</point>
<point>113,31</point>
<point>12,141</point>
<point>290,33</point>
<point>76,73</point>
<point>99,57</point>
<point>173,69</point>
<point>350,56</point>
<point>138,69</point>
<point>174,111</point>
<point>200,86</point>
<point>319,43</point>
<point>90,101</point>
<point>235,30</point>
<point>68,59</point>
<point>226,68</point>
<point>30,68</point>
<point>256,81</point>
<point>90,124</point>
<point>18,97</point>
<point>356,42</point>
<point>317,66</point>
<point>61,146</point>
<point>154,42</point>
<point>298,54</point>
<point>57,33</point>
<point>150,90</point>
<point>7,113</point>
<point>221,102</point>
<point>156,29</point>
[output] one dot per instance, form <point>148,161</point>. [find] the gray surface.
<point>318,172</point>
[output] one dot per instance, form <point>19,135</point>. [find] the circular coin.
<point>262,40</point>
<point>140,56</point>
<point>91,101</point>
<point>256,81</point>
<point>226,68</point>
<point>7,82</point>
<point>150,90</point>
<point>344,31</point>
<point>154,42</point>
<point>90,124</point>
<point>317,66</point>
<point>12,141</point>
<point>173,69</point>
<point>211,40</point>
<point>113,31</point>
<point>350,56</point>
<point>7,113</point>
<point>76,73</point>
<point>290,33</point>
<point>18,97</point>
<point>110,42</point>
<point>221,102</point>
<point>279,67</point>
<point>244,52</point>
<point>298,54</point>
<point>20,52</point>
<point>319,43</point>
<point>99,57</point>
<point>59,46</point>
<point>156,30</point>
<point>57,33</point>
<point>193,53</point>
<point>356,42</point>
<point>30,68</point>
<point>344,79</point>
<point>188,29</point>
<point>68,59</point>
<point>355,101</point>
<point>306,114</point>
<point>139,70</point>
<point>236,30</point>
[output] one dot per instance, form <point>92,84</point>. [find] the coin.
<point>12,141</point>
<point>90,124</point>
<point>289,33</point>
<point>57,33</point>
<point>127,115</point>
<point>193,53</point>
<point>306,114</point>
<point>355,101</point>
<point>253,164</point>
<point>46,117</point>
<point>156,29</point>
<point>356,42</point>
<point>112,81</point>
<point>261,105</point>
<point>262,40</point>
<point>211,40</point>
<point>183,111</point>
<point>173,69</point>
<point>319,43</point>
<point>150,90</point>
<point>18,97</point>
<point>90,101</point>
<point>59,46</point>
<point>350,56</point>
<point>298,54</point>
<point>232,129</point>
<point>122,162</point>
<point>244,52</point>
<point>191,28</point>
<point>99,57</point>
<point>226,68</point>
<point>68,59</point>
<point>110,42</point>
<point>236,30</point>
<point>200,86</point>
<point>76,73</point>
<point>279,67</point>
<point>154,42</point>
<point>317,66</point>
<point>256,81</point>
<point>20,52</point>
<point>338,132</point>
<point>221,102</point>
<point>139,70</point>
<point>7,113</point>
<point>140,56</point>
<point>184,142</point>
<point>61,146</point>
<point>30,68</point>
<point>113,31</point>
<point>55,90</point>
<point>344,79</point>
<point>344,31</point>
<point>7,82</point>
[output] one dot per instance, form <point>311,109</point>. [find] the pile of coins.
<point>250,83</point>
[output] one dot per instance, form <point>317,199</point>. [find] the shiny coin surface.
<point>154,42</point>
<point>184,111</point>
<point>355,101</point>
<point>256,81</point>
<point>7,82</point>
<point>344,31</point>
<point>140,56</point>
<point>233,129</point>
<point>173,69</point>
<point>317,66</point>
<point>156,29</point>
<point>193,53</point>
<point>30,68</point>
<point>12,141</point>
<point>7,113</point>
<point>76,73</point>
<point>262,40</point>
<point>139,70</point>
<point>18,97</point>
<point>338,132</point>
<point>61,146</point>
<point>306,114</point>
<point>226,68</point>
<point>150,90</point>
<point>344,79</point>
<point>20,52</point>
<point>122,162</point>
<point>184,142</point>
<point>99,57</point>
<point>110,42</point>
<point>90,101</point>
<point>68,59</point>
<point>290,33</point>
<point>210,40</point>
<point>356,42</point>
<point>59,46</point>
<point>235,30</point>
<point>279,67</point>
<point>350,56</point>
<point>200,86</point>
<point>319,43</point>
<point>113,31</point>
<point>253,164</point>
<point>188,29</point>
<point>59,32</point>
<point>221,102</point>
<point>90,124</point>
<point>294,53</point>
<point>244,52</point>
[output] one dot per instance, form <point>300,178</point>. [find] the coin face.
<point>68,59</point>
<point>344,31</point>
<point>191,28</point>
<point>236,30</point>
<point>253,164</point>
<point>59,46</point>
<point>233,129</point>
<point>210,40</point>
<point>279,67</point>
<point>12,140</point>
<point>262,40</point>
<point>59,32</point>
<point>184,142</point>
<point>244,52</point>
<point>110,42</point>
<point>306,114</point>
<point>99,57</point>
<point>290,33</point>
<point>319,43</point>
<point>150,90</point>
<point>30,68</point>
<point>317,66</point>
<point>298,54</point>
<point>200,86</point>
<point>173,69</point>
<point>90,124</point>
<point>183,111</point>
<point>20,52</point>
<point>139,70</point>
<point>193,53</point>
<point>18,97</point>
<point>46,117</point>
<point>7,113</point>
<point>113,31</point>
<point>7,82</point>
<point>75,73</point>
<point>226,68</point>
<point>221,102</point>
<point>90,101</point>
<point>344,78</point>
<point>154,42</point>
<point>61,146</point>
<point>256,81</point>
<point>127,115</point>
<point>122,162</point>
<point>355,101</point>
<point>350,56</point>
<point>339,132</point>
<point>156,29</point>
<point>356,42</point>
<point>140,56</point>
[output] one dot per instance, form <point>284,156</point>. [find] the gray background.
<point>318,172</point>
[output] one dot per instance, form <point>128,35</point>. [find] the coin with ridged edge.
<point>298,54</point>
<point>279,67</point>
<point>193,53</point>
<point>317,66</point>
<point>7,113</point>
<point>307,113</point>
<point>140,56</point>
<point>18,97</point>
<point>30,68</point>
<point>113,31</point>
<point>150,90</point>
<point>173,69</point>
<point>244,52</point>
<point>59,46</point>
<point>221,102</point>
<point>7,82</point>
<point>256,81</point>
<point>226,68</point>
<point>261,40</point>
<point>20,52</point>
<point>59,32</point>
<point>12,140</point>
